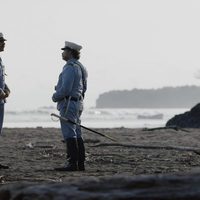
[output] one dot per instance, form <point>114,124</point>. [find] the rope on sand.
<point>178,148</point>
<point>176,128</point>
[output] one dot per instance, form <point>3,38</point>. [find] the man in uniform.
<point>4,90</point>
<point>69,94</point>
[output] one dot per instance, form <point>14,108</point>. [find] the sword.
<point>89,129</point>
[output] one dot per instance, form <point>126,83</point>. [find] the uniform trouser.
<point>1,116</point>
<point>72,112</point>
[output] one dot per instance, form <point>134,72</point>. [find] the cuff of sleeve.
<point>53,98</point>
<point>1,91</point>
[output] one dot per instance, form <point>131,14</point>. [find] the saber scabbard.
<point>89,129</point>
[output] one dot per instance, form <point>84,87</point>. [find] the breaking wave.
<point>93,117</point>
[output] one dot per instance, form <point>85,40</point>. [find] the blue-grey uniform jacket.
<point>3,85</point>
<point>72,82</point>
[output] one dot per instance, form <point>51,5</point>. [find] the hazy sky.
<point>126,44</point>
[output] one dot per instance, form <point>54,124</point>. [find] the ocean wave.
<point>96,117</point>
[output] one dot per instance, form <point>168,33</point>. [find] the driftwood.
<point>177,148</point>
<point>153,187</point>
<point>176,128</point>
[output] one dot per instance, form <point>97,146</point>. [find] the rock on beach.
<point>189,119</point>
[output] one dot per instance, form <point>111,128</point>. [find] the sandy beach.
<point>32,153</point>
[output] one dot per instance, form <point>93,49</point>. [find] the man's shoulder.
<point>68,68</point>
<point>75,63</point>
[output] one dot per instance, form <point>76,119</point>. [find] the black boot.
<point>81,154</point>
<point>72,152</point>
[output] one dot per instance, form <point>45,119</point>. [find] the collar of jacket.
<point>71,61</point>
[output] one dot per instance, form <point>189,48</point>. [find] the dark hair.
<point>75,54</point>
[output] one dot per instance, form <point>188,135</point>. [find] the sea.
<point>94,117</point>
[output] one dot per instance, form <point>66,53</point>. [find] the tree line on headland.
<point>166,97</point>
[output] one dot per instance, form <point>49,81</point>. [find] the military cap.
<point>72,45</point>
<point>1,37</point>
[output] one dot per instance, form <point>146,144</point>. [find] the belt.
<point>74,98</point>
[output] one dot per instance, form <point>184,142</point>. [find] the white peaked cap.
<point>1,36</point>
<point>72,45</point>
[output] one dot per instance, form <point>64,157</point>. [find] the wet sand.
<point>32,153</point>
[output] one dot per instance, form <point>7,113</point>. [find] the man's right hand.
<point>2,94</point>
<point>7,93</point>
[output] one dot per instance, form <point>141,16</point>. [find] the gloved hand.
<point>7,92</point>
<point>2,94</point>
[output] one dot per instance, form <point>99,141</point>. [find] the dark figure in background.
<point>4,90</point>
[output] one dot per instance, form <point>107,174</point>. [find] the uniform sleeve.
<point>84,79</point>
<point>66,83</point>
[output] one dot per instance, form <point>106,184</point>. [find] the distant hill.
<point>166,97</point>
